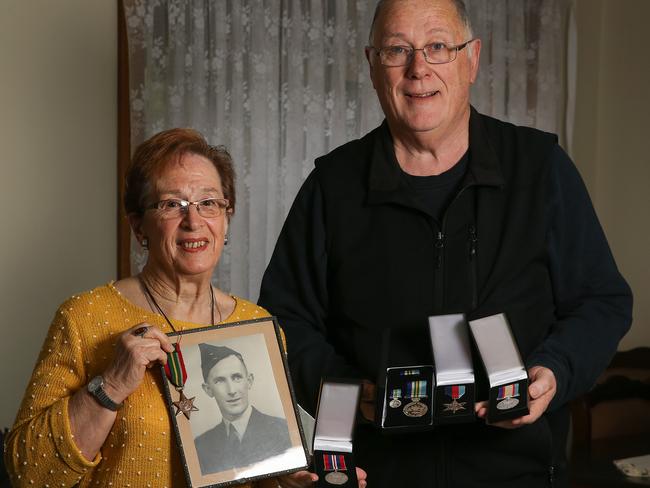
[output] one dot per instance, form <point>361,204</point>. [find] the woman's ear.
<point>135,222</point>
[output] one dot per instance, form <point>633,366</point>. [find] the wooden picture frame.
<point>244,422</point>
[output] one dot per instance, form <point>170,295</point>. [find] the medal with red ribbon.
<point>335,463</point>
<point>177,375</point>
<point>175,366</point>
<point>455,392</point>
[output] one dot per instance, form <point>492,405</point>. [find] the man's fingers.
<point>368,391</point>
<point>367,410</point>
<point>539,387</point>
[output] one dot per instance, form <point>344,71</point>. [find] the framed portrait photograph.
<point>232,404</point>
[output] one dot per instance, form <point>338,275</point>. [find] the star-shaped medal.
<point>454,406</point>
<point>185,405</point>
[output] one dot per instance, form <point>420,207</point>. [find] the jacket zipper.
<point>473,242</point>
<point>439,289</point>
<point>439,245</point>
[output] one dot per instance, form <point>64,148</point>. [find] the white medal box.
<point>505,369</point>
<point>338,404</point>
<point>452,357</point>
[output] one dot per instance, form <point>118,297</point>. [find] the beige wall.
<point>58,185</point>
<point>611,137</point>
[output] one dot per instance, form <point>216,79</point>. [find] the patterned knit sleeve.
<point>40,449</point>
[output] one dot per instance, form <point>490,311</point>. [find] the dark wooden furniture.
<point>612,421</point>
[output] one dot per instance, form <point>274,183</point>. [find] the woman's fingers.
<point>137,349</point>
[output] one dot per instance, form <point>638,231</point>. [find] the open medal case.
<point>338,404</point>
<point>504,367</point>
<point>454,373</point>
<point>407,398</point>
<point>404,393</point>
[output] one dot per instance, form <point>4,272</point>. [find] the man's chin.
<point>234,414</point>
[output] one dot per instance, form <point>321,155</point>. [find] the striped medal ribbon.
<point>508,391</point>
<point>455,392</point>
<point>175,367</point>
<point>416,390</point>
<point>177,376</point>
<point>334,462</point>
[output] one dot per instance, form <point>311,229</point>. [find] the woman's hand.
<point>305,479</point>
<point>137,349</point>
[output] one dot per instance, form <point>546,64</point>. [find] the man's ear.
<point>207,390</point>
<point>369,55</point>
<point>474,59</point>
<point>250,380</point>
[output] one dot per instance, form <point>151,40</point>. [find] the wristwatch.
<point>96,389</point>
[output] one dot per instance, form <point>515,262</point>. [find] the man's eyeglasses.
<point>435,53</point>
<point>173,208</point>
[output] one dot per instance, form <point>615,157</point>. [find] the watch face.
<point>95,383</point>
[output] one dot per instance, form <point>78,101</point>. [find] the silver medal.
<point>508,403</point>
<point>415,409</point>
<point>336,478</point>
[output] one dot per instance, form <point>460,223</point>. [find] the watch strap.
<point>102,397</point>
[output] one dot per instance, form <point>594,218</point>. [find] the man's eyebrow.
<point>401,35</point>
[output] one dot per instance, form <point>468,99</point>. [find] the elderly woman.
<point>94,412</point>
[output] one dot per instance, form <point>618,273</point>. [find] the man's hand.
<point>541,391</point>
<point>304,479</point>
<point>368,400</point>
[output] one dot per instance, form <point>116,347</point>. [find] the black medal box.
<point>504,367</point>
<point>407,398</point>
<point>338,404</point>
<point>452,357</point>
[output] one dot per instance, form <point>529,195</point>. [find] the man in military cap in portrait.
<point>245,435</point>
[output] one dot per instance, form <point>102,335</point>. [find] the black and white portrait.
<point>240,421</point>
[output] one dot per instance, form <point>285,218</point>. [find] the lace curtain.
<point>280,82</point>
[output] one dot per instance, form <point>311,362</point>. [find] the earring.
<point>145,244</point>
<point>225,241</point>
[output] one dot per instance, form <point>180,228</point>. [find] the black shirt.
<point>436,192</point>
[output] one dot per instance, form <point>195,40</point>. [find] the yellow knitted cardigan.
<point>140,450</point>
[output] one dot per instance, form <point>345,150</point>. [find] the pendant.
<point>185,405</point>
<point>415,409</point>
<point>454,406</point>
<point>508,403</point>
<point>336,478</point>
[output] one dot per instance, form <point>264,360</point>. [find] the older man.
<point>440,210</point>
<point>245,435</point>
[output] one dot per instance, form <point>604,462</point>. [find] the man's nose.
<point>419,66</point>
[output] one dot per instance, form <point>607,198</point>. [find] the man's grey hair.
<point>460,8</point>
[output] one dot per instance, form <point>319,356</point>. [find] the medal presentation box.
<point>454,380</point>
<point>505,369</point>
<point>407,398</point>
<point>338,404</point>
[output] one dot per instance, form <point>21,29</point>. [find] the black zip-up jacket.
<point>359,254</point>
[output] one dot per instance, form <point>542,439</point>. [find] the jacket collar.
<point>385,182</point>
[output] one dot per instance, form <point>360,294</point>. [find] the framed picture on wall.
<point>232,404</point>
